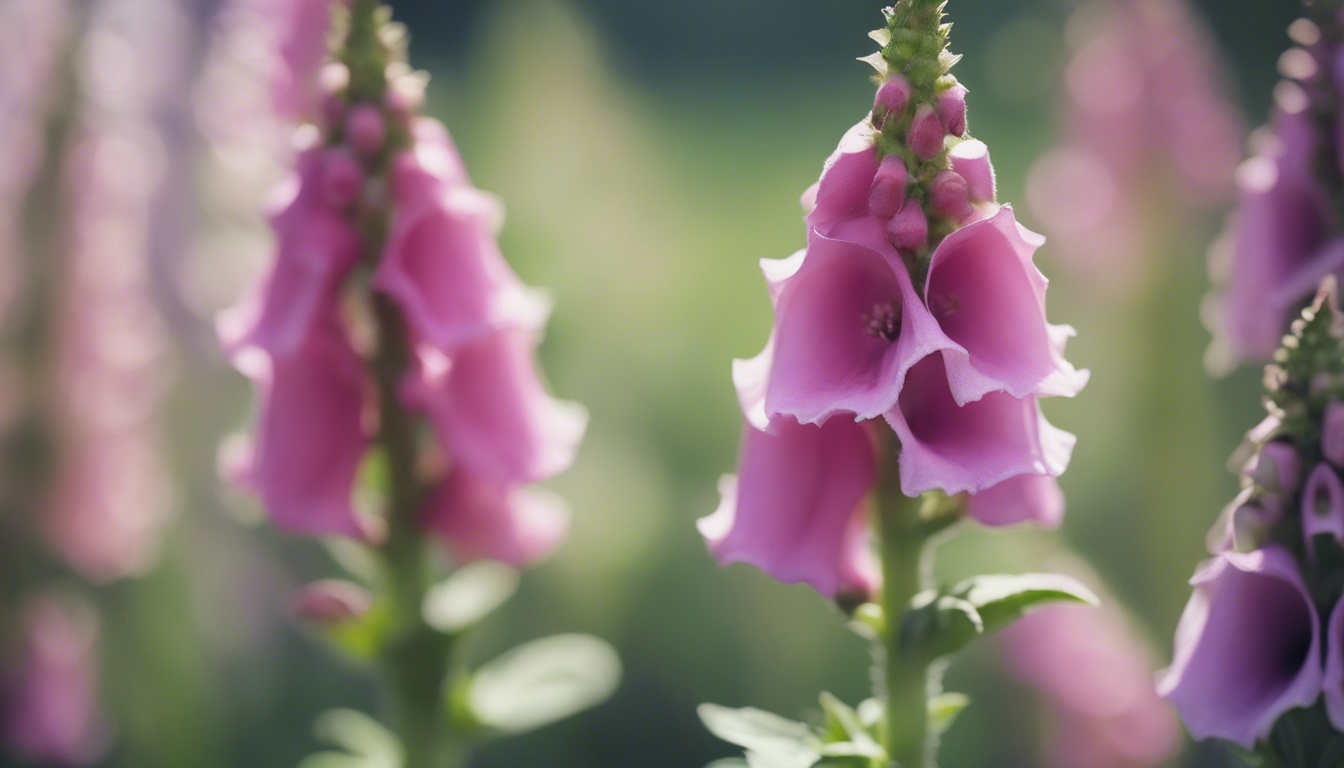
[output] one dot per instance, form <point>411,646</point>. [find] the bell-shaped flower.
<point>479,520</point>
<point>795,510</point>
<point>1019,499</point>
<point>442,262</point>
<point>318,246</point>
<point>1322,506</point>
<point>1334,667</point>
<point>49,709</point>
<point>311,431</point>
<point>989,299</point>
<point>303,28</point>
<point>845,186</point>
<point>848,325</point>
<point>1332,433</point>
<point>1280,234</point>
<point>490,411</point>
<point>1248,647</point>
<point>970,447</point>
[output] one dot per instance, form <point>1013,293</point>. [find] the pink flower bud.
<point>908,230</point>
<point>365,129</point>
<point>926,132</point>
<point>342,180</point>
<point>971,160</point>
<point>405,96</point>
<point>1332,434</point>
<point>1322,505</point>
<point>952,109</point>
<point>331,602</point>
<point>891,99</point>
<point>949,195</point>
<point>334,79</point>
<point>888,191</point>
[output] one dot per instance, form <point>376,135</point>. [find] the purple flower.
<point>1332,434</point>
<point>1019,499</point>
<point>796,508</point>
<point>303,29</point>
<point>1334,667</point>
<point>1248,647</point>
<point>1322,505</point>
<point>49,709</point>
<point>482,520</point>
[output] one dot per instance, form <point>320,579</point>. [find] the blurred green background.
<point>649,154</point>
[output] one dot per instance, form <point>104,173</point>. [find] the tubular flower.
<point>916,302</point>
<point>466,323</point>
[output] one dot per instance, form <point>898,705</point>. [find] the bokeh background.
<point>649,154</point>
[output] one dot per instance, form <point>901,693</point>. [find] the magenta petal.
<point>442,263</point>
<point>310,433</point>
<point>828,358</point>
<point>989,298</point>
<point>490,411</point>
<point>1020,499</point>
<point>970,447</point>
<point>480,521</point>
<point>795,511</point>
<point>317,248</point>
<point>1248,647</point>
<point>1322,505</point>
<point>846,179</point>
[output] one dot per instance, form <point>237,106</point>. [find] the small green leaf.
<point>543,681</point>
<point>854,739</point>
<point>366,742</point>
<point>469,595</point>
<point>772,741</point>
<point>728,762</point>
<point>366,636</point>
<point>870,713</point>
<point>940,626</point>
<point>1286,739</point>
<point>944,708</point>
<point>354,557</point>
<point>1002,599</point>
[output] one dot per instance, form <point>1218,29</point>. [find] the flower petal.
<point>478,520</point>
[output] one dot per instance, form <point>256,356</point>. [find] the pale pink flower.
<point>477,520</point>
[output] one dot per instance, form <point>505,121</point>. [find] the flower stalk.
<point>905,673</point>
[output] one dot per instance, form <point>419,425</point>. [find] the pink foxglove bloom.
<point>1093,674</point>
<point>1248,647</point>
<point>1145,104</point>
<point>470,331</point>
<point>48,708</point>
<point>304,27</point>
<point>952,355</point>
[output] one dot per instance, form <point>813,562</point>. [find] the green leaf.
<point>939,625</point>
<point>543,681</point>
<point>469,595</point>
<point>1003,599</point>
<point>367,743</point>
<point>729,762</point>
<point>843,721</point>
<point>772,741</point>
<point>1333,755</point>
<point>366,636</point>
<point>944,708</point>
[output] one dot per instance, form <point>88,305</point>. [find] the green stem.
<point>904,672</point>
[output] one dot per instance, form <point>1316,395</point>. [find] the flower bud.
<point>405,96</point>
<point>1322,505</point>
<point>952,109</point>
<point>334,78</point>
<point>1277,468</point>
<point>908,230</point>
<point>342,179</point>
<point>887,194</point>
<point>971,160</point>
<point>1332,434</point>
<point>949,196</point>
<point>926,132</point>
<point>331,602</point>
<point>365,129</point>
<point>891,99</point>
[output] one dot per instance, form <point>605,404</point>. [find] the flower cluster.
<point>1285,234</point>
<point>380,220</point>
<point>1264,630</point>
<point>916,303</point>
<point>1145,109</point>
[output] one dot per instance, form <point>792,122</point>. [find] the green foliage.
<point>944,708</point>
<point>469,595</point>
<point>366,743</point>
<point>542,681</point>
<point>367,636</point>
<point>1003,599</point>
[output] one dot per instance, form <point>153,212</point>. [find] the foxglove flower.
<point>48,708</point>
<point>303,27</point>
<point>1248,647</point>
<point>916,300</point>
<point>478,519</point>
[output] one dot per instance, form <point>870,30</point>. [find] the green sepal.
<point>542,681</point>
<point>1002,599</point>
<point>843,731</point>
<point>366,636</point>
<point>469,595</point>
